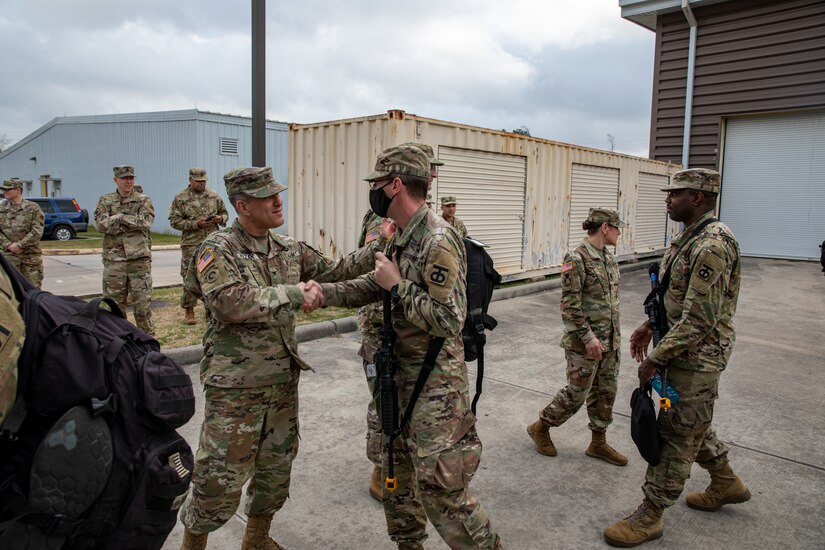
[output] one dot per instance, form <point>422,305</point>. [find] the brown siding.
<point>752,56</point>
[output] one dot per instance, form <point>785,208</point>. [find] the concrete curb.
<point>314,331</point>
<point>81,251</point>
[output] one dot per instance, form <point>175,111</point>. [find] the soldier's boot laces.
<point>725,488</point>
<point>645,524</point>
<point>192,541</point>
<point>599,448</point>
<point>376,486</point>
<point>189,316</point>
<point>539,432</point>
<point>256,536</point>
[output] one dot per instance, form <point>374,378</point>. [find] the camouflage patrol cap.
<point>429,198</point>
<point>700,179</point>
<point>605,215</point>
<point>124,171</point>
<point>401,160</point>
<point>448,200</point>
<point>198,174</point>
<point>13,183</point>
<point>253,181</point>
<point>428,150</point>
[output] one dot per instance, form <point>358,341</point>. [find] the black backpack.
<point>822,256</point>
<point>89,455</point>
<point>643,426</point>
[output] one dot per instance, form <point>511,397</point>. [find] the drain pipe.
<point>691,68</point>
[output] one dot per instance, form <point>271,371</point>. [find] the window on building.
<point>228,146</point>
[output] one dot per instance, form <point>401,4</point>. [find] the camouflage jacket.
<point>370,316</point>
<point>12,334</point>
<point>432,302</point>
<point>125,224</point>
<point>250,288</point>
<point>590,298</point>
<point>188,207</point>
<point>22,224</point>
<point>459,225</point>
<point>700,299</point>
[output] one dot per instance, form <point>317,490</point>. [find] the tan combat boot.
<point>539,432</point>
<point>725,488</point>
<point>189,316</point>
<point>376,485</point>
<point>599,448</point>
<point>644,524</point>
<point>256,536</point>
<point>191,541</point>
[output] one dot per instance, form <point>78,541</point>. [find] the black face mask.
<point>379,202</point>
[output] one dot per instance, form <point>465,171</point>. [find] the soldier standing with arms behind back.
<point>195,212</point>
<point>700,301</point>
<point>591,340</point>
<point>21,227</point>
<point>125,218</point>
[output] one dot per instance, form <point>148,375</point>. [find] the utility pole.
<point>258,82</point>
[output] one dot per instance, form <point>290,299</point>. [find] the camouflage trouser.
<point>374,437</point>
<point>187,299</point>
<point>30,265</point>
<point>686,436</point>
<point>588,381</point>
<point>437,487</point>
<point>131,278</point>
<point>247,433</point>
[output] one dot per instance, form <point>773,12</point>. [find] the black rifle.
<point>657,319</point>
<point>386,364</point>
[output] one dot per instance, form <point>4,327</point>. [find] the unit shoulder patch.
<point>441,272</point>
<point>707,268</point>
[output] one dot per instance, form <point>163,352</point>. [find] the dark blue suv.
<point>64,217</point>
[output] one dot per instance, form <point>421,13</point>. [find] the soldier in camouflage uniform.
<point>125,218</point>
<point>12,333</point>
<point>195,212</point>
<point>439,450</point>
<point>448,207</point>
<point>591,340</point>
<point>700,302</point>
<point>370,319</point>
<point>429,201</point>
<point>21,226</point>
<point>252,280</point>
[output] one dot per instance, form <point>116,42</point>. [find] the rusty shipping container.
<point>525,197</point>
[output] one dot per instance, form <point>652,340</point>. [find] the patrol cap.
<point>429,198</point>
<point>198,174</point>
<point>124,171</point>
<point>13,183</point>
<point>448,200</point>
<point>427,151</point>
<point>253,181</point>
<point>599,216</point>
<point>401,160</point>
<point>701,179</point>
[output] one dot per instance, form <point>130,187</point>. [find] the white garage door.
<point>773,184</point>
<point>650,226</point>
<point>591,187</point>
<point>489,189</point>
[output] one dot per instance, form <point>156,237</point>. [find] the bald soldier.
<point>253,281</point>
<point>195,212</point>
<point>700,301</point>
<point>591,339</point>
<point>21,227</point>
<point>448,208</point>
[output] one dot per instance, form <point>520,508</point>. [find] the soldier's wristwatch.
<point>394,293</point>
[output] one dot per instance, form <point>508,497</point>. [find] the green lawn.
<point>93,239</point>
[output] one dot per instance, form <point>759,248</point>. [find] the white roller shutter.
<point>650,227</point>
<point>773,188</point>
<point>591,186</point>
<point>489,189</point>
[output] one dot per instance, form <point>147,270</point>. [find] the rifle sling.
<point>429,363</point>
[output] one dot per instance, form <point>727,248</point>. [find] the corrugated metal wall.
<point>752,56</point>
<point>80,151</point>
<point>328,198</point>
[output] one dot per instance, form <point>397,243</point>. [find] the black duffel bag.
<point>643,427</point>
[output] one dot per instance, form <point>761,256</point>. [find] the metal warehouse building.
<point>525,197</point>
<point>73,156</point>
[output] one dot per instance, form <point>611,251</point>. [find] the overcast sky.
<point>569,70</point>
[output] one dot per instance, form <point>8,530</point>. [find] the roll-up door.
<point>489,190</point>
<point>650,226</point>
<point>591,186</point>
<point>773,188</point>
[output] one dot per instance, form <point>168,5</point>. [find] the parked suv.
<point>64,217</point>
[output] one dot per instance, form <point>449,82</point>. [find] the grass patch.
<point>171,332</point>
<point>93,239</point>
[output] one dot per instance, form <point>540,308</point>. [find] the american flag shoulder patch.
<point>206,258</point>
<point>567,267</point>
<point>371,236</point>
